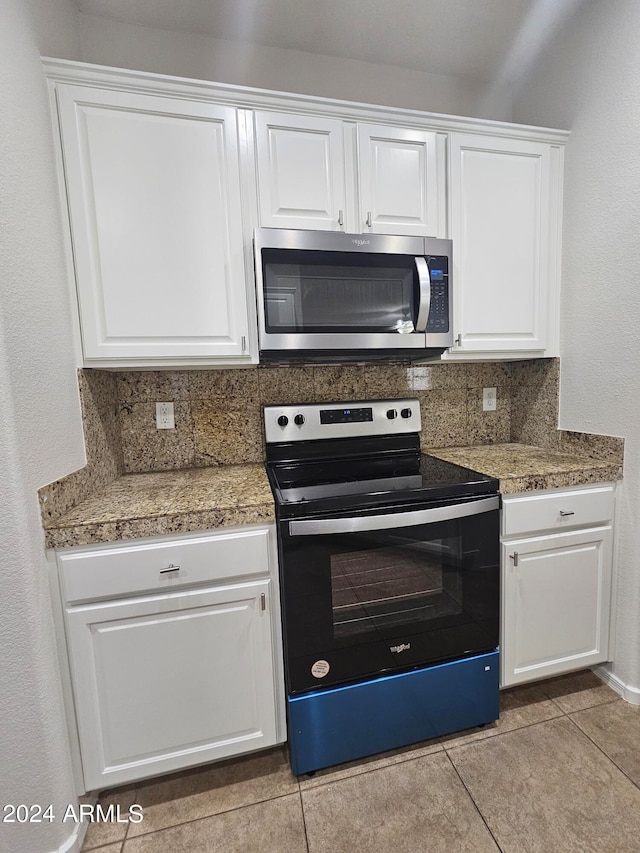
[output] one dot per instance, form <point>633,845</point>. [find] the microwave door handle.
<point>321,526</point>
<point>424,283</point>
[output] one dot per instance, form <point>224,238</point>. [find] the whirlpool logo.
<point>401,648</point>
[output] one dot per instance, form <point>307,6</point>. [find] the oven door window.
<point>366,603</point>
<point>316,292</point>
<point>395,585</point>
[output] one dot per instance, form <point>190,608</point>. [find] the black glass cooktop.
<point>375,479</point>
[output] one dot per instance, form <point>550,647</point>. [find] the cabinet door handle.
<point>564,514</point>
<point>263,601</point>
<point>459,341</point>
<point>514,557</point>
<point>368,222</point>
<point>340,218</point>
<point>170,568</point>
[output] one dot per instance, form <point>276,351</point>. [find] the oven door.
<point>388,590</point>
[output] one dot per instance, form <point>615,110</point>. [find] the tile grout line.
<point>598,747</point>
<point>304,820</point>
<point>562,713</point>
<point>475,805</point>
<point>135,800</point>
<point>372,770</point>
<point>207,816</point>
<point>507,732</point>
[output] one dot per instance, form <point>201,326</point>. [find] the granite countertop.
<point>524,468</point>
<point>153,504</point>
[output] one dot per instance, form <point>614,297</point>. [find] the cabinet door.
<point>166,681</point>
<point>556,602</point>
<point>398,181</point>
<point>500,209</point>
<point>300,163</point>
<point>154,197</point>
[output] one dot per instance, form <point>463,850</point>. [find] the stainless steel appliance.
<point>339,296</point>
<point>389,571</point>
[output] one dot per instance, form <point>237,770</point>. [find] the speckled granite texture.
<point>219,424</point>
<point>219,412</point>
<point>523,468</point>
<point>136,505</point>
<point>103,447</point>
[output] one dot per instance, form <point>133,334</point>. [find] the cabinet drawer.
<point>552,511</point>
<point>136,568</point>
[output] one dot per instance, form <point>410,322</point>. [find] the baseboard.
<point>629,694</point>
<point>73,844</point>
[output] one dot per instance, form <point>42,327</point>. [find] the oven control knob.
<point>298,420</point>
<point>283,420</point>
<point>405,413</point>
<point>391,414</point>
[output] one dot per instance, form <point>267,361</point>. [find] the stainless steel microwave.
<point>325,295</point>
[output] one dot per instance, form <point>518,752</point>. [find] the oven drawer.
<point>150,566</point>
<point>556,510</point>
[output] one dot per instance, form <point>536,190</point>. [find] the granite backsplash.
<point>218,413</point>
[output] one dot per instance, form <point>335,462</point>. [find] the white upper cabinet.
<point>153,189</point>
<point>325,174</point>
<point>398,172</point>
<point>504,197</point>
<point>300,162</point>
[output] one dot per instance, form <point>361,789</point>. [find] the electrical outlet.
<point>164,416</point>
<point>489,399</point>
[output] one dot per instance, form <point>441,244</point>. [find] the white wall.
<point>40,424</point>
<point>589,81</point>
<point>109,42</point>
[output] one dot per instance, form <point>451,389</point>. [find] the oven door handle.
<point>322,526</point>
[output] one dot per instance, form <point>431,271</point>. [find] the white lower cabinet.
<point>185,669</point>
<point>556,582</point>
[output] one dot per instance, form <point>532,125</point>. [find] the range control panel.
<point>309,422</point>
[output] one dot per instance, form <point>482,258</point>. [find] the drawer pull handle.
<point>514,557</point>
<point>169,569</point>
<point>564,514</point>
<point>263,601</point>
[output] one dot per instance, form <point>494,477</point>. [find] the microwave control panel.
<point>439,311</point>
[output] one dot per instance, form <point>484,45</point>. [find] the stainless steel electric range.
<point>389,572</point>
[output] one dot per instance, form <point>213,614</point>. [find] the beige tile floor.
<point>560,771</point>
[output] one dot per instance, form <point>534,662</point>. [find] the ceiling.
<point>473,39</point>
